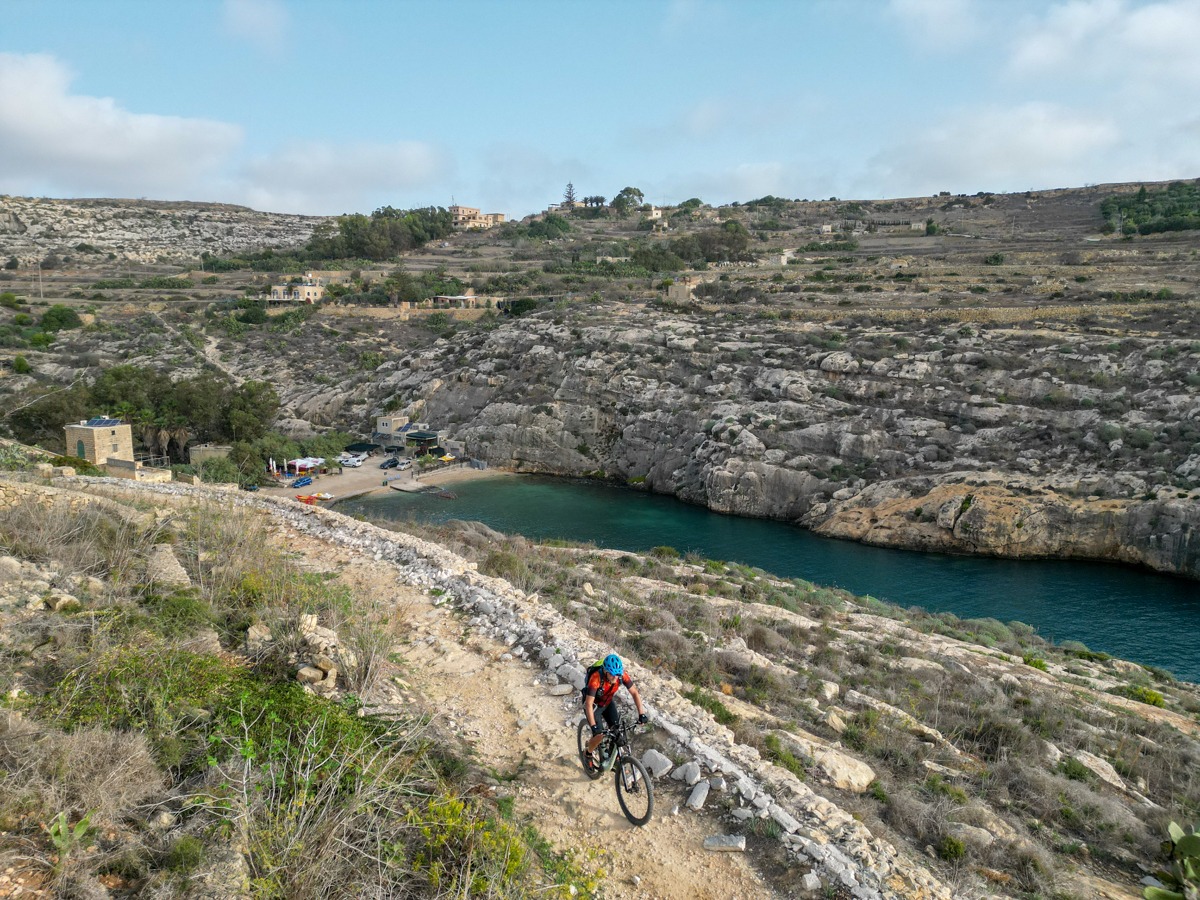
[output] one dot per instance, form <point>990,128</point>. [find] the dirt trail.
<point>515,726</point>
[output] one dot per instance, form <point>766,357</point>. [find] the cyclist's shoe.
<point>593,761</point>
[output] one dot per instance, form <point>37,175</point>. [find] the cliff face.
<point>1016,518</point>
<point>934,450</point>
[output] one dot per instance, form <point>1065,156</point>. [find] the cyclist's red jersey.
<point>604,693</point>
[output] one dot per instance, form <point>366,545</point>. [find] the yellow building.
<point>99,439</point>
<point>469,217</point>
<point>307,292</point>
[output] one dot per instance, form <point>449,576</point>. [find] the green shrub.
<point>951,849</point>
<point>180,613</point>
<point>186,854</point>
<point>780,755</point>
<point>59,318</point>
<point>1035,661</point>
<point>507,565</point>
<point>708,702</point>
<point>1074,769</point>
<point>21,365</point>
<point>939,787</point>
<point>1139,693</point>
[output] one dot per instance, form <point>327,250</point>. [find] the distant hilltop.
<point>142,231</point>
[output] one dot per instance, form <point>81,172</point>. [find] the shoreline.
<point>371,479</point>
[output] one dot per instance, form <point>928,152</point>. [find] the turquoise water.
<point>1129,613</point>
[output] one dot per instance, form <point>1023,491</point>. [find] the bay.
<point>1130,613</point>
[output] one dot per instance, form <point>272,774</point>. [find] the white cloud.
<point>326,178</point>
<point>56,142</point>
<point>1148,45</point>
<point>1000,149</point>
<point>938,23</point>
<point>262,23</point>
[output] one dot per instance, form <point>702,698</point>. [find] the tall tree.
<point>627,199</point>
<point>569,196</point>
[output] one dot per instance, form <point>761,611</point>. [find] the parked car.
<point>389,463</point>
<point>352,462</point>
<point>250,486</point>
<point>404,464</point>
<point>302,481</point>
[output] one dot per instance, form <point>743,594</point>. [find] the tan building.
<point>469,217</point>
<point>198,453</point>
<point>390,427</point>
<point>99,439</point>
<point>305,292</point>
<point>137,471</point>
<point>682,289</point>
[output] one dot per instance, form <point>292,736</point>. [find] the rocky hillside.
<point>93,232</point>
<point>837,750</point>
<point>1015,438</point>
<point>1012,383</point>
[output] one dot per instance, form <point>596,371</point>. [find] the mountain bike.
<point>635,793</point>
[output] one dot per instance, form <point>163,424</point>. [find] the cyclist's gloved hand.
<point>598,728</point>
<point>643,719</point>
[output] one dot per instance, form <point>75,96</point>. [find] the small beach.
<point>370,478</point>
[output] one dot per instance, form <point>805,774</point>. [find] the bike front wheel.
<point>582,737</point>
<point>635,793</point>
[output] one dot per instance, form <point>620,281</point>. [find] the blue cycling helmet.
<point>613,665</point>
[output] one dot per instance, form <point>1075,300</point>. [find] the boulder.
<point>656,763</point>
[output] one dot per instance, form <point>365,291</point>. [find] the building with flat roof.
<point>465,217</point>
<point>305,292</point>
<point>99,439</point>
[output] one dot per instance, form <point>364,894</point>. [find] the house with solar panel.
<point>108,444</point>
<point>99,439</point>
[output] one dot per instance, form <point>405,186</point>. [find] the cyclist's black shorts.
<point>612,715</point>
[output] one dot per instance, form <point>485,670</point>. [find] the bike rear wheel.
<point>635,793</point>
<point>582,737</point>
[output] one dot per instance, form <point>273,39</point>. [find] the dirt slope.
<point>514,726</point>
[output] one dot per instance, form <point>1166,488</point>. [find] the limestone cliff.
<point>897,449</point>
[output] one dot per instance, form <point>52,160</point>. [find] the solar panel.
<point>102,422</point>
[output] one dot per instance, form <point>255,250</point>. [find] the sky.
<point>326,107</point>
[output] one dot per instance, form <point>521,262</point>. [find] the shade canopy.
<point>362,447</point>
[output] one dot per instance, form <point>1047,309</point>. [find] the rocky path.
<point>501,670</point>
<point>526,737</point>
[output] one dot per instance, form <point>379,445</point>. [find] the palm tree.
<point>178,430</point>
<point>143,419</point>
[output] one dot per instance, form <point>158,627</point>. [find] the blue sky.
<point>323,107</point>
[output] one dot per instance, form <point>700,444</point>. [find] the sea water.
<point>1131,613</point>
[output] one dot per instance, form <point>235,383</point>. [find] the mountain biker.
<point>601,687</point>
